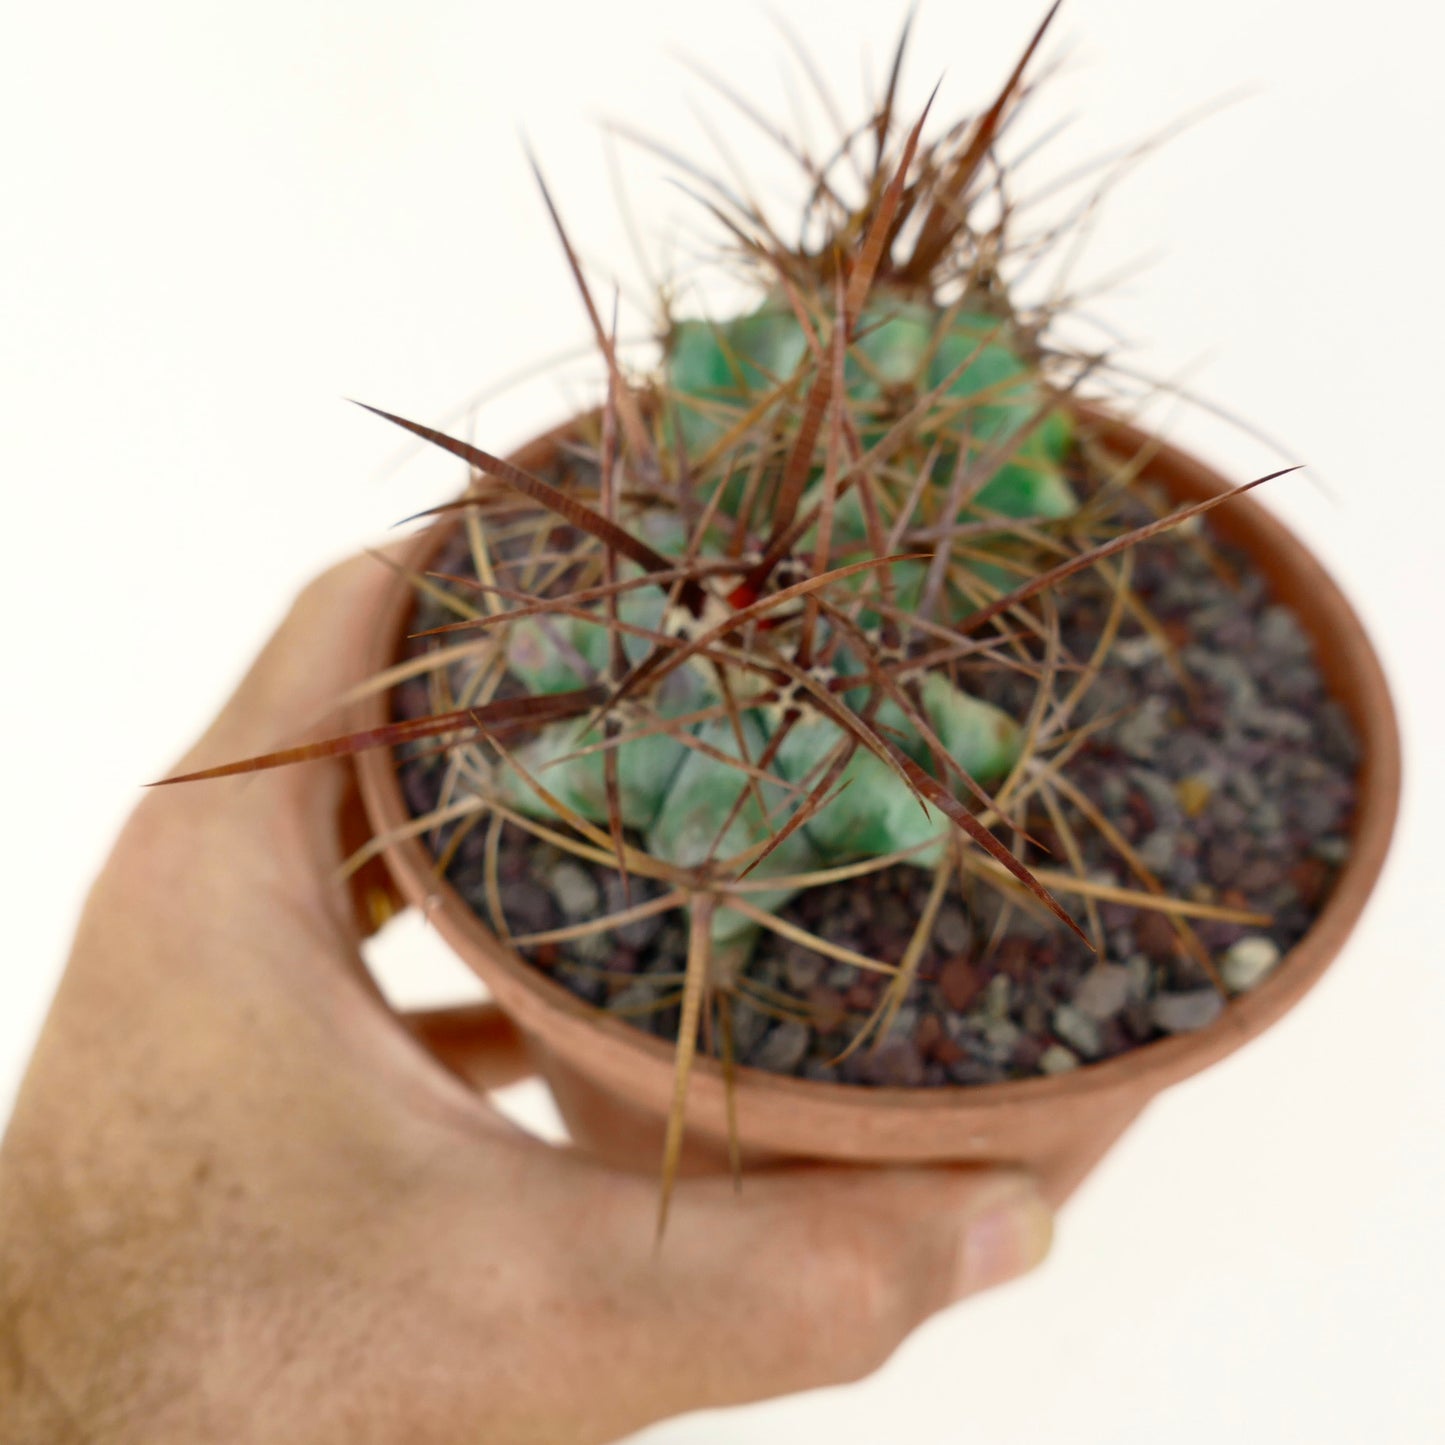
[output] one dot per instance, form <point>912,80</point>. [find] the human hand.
<point>241,1200</point>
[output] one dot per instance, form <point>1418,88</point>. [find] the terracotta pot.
<point>613,1083</point>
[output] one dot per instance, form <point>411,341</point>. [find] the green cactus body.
<point>703,794</point>
<point>679,797</point>
<point>554,653</point>
<point>547,653</point>
<point>578,780</point>
<point>876,812</point>
<point>558,756</point>
<point>903,349</point>
<point>715,371</point>
<point>689,804</point>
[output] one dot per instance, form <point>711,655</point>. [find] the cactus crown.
<point>730,643</point>
<point>752,604</point>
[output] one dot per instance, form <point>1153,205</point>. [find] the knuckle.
<point>856,1293</point>
<point>315,595</point>
<point>319,596</point>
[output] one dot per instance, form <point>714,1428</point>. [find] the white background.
<point>218,220</point>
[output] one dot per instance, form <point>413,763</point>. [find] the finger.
<point>478,1043</point>
<point>810,1276</point>
<point>813,1276</point>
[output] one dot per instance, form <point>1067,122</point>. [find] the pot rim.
<point>564,1022</point>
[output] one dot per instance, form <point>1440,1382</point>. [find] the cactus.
<point>677,797</point>
<point>904,346</point>
<point>731,640</point>
<point>987,416</point>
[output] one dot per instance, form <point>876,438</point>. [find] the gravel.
<point>1237,792</point>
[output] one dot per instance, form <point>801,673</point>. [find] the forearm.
<point>89,1346</point>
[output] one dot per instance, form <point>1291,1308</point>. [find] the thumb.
<point>287,820</point>
<point>813,1276</point>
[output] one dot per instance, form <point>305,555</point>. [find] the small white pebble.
<point>1103,991</point>
<point>576,891</point>
<point>1002,1034</point>
<point>1141,976</point>
<point>783,1049</point>
<point>1182,1013</point>
<point>1136,651</point>
<point>1077,1030</point>
<point>1056,1059</point>
<point>594,948</point>
<point>1248,961</point>
<point>997,997</point>
<point>1158,850</point>
<point>1332,850</point>
<point>1280,631</point>
<point>952,931</point>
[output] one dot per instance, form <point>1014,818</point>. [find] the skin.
<point>242,1200</point>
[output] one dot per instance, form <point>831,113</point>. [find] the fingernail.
<point>1004,1242</point>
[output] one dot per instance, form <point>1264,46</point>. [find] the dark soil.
<point>1237,789</point>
